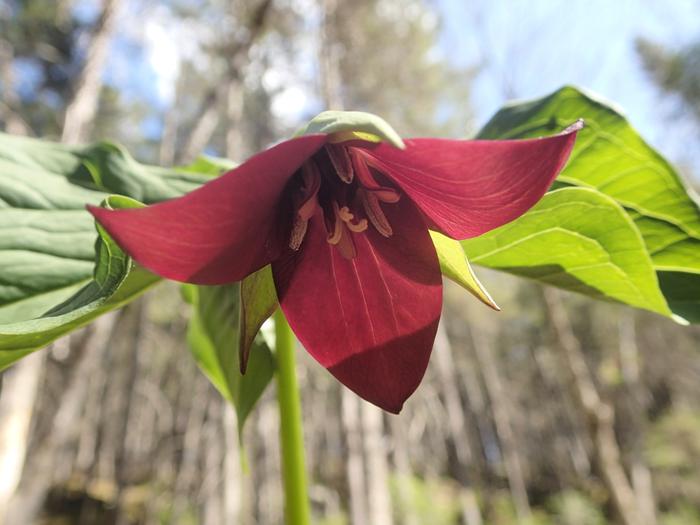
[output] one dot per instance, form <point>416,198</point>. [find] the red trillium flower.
<point>345,226</point>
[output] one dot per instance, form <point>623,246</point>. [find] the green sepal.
<point>455,266</point>
<point>258,303</point>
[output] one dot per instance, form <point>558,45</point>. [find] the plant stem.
<point>291,431</point>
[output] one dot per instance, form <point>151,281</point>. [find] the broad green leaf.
<point>26,163</point>
<point>213,339</point>
<point>455,266</point>
<point>610,156</point>
<point>115,282</point>
<point>671,248</point>
<point>682,291</point>
<point>208,165</point>
<point>349,125</point>
<point>258,303</point>
<point>51,281</point>
<point>577,239</point>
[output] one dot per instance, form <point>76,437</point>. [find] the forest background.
<point>116,423</point>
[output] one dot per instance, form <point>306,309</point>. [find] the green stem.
<point>291,431</point>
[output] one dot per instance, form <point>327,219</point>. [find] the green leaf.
<point>671,248</point>
<point>258,303</point>
<point>609,154</point>
<point>349,125</point>
<point>682,291</point>
<point>115,282</point>
<point>208,165</point>
<point>577,239</point>
<point>611,157</point>
<point>213,339</point>
<point>455,266</point>
<point>61,171</point>
<point>51,279</point>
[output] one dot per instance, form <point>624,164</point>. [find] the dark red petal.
<point>466,188</point>
<point>370,320</point>
<point>220,232</point>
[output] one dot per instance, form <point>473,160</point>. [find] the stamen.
<point>387,195</point>
<point>311,182</point>
<point>307,210</point>
<point>298,233</point>
<point>358,158</point>
<point>341,162</point>
<point>311,178</point>
<point>374,212</point>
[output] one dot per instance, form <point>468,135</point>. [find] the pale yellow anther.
<point>298,233</point>
<point>341,162</point>
<point>375,213</point>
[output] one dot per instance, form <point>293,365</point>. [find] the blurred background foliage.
<point>120,427</point>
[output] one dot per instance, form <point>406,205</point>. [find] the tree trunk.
<point>402,465</point>
<point>21,381</point>
<point>457,425</point>
<point>268,489</point>
<point>27,501</point>
<point>234,119</point>
<point>482,342</point>
<point>82,108</point>
<point>357,486</point>
<point>630,368</point>
<point>379,503</point>
<point>232,472</point>
<point>20,385</point>
<point>233,79</point>
<point>79,115</point>
<point>600,415</point>
<point>10,102</point>
<point>168,140</point>
<point>330,77</point>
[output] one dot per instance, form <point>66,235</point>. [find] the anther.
<point>374,212</point>
<point>362,169</point>
<point>387,195</point>
<point>298,233</point>
<point>311,182</point>
<point>340,158</point>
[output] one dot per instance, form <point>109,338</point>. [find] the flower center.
<point>340,181</point>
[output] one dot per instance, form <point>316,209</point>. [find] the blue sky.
<point>527,49</point>
<point>523,49</point>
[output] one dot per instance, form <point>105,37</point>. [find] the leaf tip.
<point>573,128</point>
<point>680,320</point>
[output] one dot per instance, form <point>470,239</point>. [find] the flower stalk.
<point>291,430</point>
